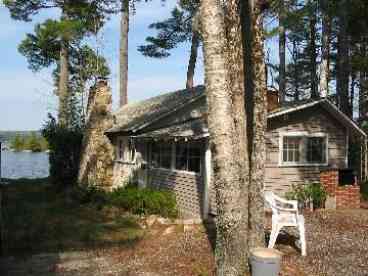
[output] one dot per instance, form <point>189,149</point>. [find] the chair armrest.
<point>282,209</point>
<point>293,203</point>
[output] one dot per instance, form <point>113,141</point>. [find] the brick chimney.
<point>272,100</point>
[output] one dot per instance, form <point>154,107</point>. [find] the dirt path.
<point>337,245</point>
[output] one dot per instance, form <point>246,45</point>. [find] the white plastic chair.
<point>285,214</point>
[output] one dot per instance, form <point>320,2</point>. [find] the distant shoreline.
<point>23,151</point>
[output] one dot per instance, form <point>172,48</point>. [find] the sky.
<point>26,97</point>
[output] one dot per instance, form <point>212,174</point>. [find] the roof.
<point>135,116</point>
<point>327,105</point>
<point>195,129</point>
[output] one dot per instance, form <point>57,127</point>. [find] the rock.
<point>169,230</point>
<point>164,221</point>
<point>188,227</point>
<point>150,220</point>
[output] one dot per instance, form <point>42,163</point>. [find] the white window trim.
<point>303,134</point>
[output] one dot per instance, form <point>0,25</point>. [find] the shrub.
<point>145,201</point>
<point>65,149</point>
<point>90,194</point>
<point>309,193</point>
<point>364,190</point>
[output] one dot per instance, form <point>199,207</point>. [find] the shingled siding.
<point>188,189</point>
<point>313,120</point>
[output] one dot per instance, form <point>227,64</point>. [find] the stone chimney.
<point>96,166</point>
<point>272,100</point>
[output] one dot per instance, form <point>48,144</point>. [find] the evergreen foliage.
<point>171,32</point>
<point>65,149</point>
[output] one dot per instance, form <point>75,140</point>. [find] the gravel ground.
<point>337,244</point>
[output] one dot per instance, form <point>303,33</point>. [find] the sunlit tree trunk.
<point>258,125</point>
<point>363,92</point>
<point>63,89</point>
<point>282,50</point>
<point>313,51</point>
<point>124,33</point>
<point>192,60</point>
<point>325,60</point>
<point>232,221</point>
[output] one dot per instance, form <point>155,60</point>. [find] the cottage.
<point>163,142</point>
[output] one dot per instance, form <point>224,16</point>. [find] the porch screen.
<point>188,157</point>
<point>161,155</point>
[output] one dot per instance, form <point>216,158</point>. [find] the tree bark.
<point>342,82</point>
<point>313,52</point>
<point>192,60</point>
<point>296,71</point>
<point>259,125</point>
<point>232,221</point>
<point>63,91</point>
<point>363,93</point>
<point>325,60</point>
<point>282,50</point>
<point>124,33</point>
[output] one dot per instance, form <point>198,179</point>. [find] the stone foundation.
<point>339,197</point>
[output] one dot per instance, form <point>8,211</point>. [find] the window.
<point>126,150</point>
<point>304,149</point>
<point>188,157</point>
<point>161,155</point>
<point>316,150</point>
<point>291,149</point>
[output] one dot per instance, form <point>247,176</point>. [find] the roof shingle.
<point>135,115</point>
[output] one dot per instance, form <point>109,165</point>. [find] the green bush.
<point>65,149</point>
<point>90,194</point>
<point>145,201</point>
<point>364,190</point>
<point>311,192</point>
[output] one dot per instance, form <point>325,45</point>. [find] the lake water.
<point>24,164</point>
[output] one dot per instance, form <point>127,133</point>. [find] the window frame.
<point>170,144</point>
<point>126,150</point>
<point>173,160</point>
<point>188,157</point>
<point>303,151</point>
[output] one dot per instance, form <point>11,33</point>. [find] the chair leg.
<point>274,233</point>
<point>302,238</point>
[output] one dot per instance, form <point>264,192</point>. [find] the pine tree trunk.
<point>232,223</point>
<point>352,93</point>
<point>282,50</point>
<point>325,60</point>
<point>342,82</point>
<point>192,60</point>
<point>313,52</point>
<point>63,91</point>
<point>124,32</point>
<point>296,72</point>
<point>363,92</point>
<point>259,125</point>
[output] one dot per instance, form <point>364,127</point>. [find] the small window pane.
<point>194,164</point>
<point>291,149</point>
<point>155,157</point>
<point>188,157</point>
<point>316,150</point>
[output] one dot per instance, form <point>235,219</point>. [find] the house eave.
<point>329,107</point>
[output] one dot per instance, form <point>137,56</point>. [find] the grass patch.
<point>39,218</point>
